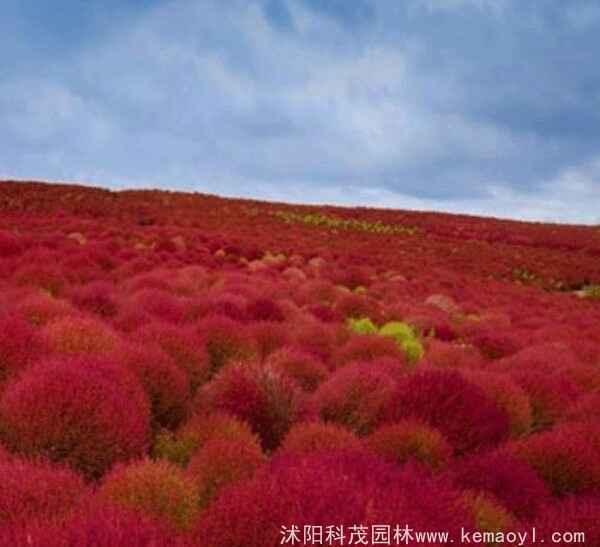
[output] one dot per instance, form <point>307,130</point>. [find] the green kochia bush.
<point>403,334</point>
<point>362,325</point>
<point>406,337</point>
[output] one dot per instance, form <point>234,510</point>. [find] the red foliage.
<point>340,488</point>
<point>97,526</point>
<point>86,412</point>
<point>354,396</point>
<point>156,489</point>
<point>410,440</point>
<point>36,490</point>
<point>79,335</point>
<point>510,480</point>
<point>20,346</point>
<point>166,385</point>
<point>565,518</point>
<point>177,288</point>
<point>221,462</point>
<point>366,348</point>
<point>260,395</point>
<point>307,371</point>
<point>97,297</point>
<point>567,458</point>
<point>183,345</point>
<point>448,402</point>
<point>224,340</point>
<point>307,438</point>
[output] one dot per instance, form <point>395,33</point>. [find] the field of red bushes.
<point>187,370</point>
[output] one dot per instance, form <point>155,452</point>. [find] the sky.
<point>488,107</point>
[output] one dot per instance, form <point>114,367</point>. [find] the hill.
<point>187,369</point>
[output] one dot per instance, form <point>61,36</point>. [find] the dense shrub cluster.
<point>185,370</point>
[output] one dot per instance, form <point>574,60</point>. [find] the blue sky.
<point>479,106</point>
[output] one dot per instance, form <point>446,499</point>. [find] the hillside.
<point>187,369</point>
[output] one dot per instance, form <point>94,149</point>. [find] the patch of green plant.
<point>362,325</point>
<point>320,220</point>
<point>406,338</point>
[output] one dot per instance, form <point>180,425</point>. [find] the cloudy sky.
<point>480,106</point>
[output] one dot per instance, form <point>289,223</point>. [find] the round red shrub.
<point>510,480</point>
<point>221,462</point>
<point>448,402</point>
<point>264,309</point>
<point>41,308</point>
<point>157,489</point>
<point>166,385</point>
<point>354,396</point>
<point>101,526</point>
<point>86,412</point>
<point>268,400</point>
<point>410,440</point>
<point>96,297</point>
<point>77,335</point>
<point>307,371</point>
<point>48,278</point>
<point>367,348</point>
<point>225,340</point>
<point>182,344</point>
<point>159,303</point>
<point>180,446</point>
<point>566,458</point>
<point>36,490</point>
<point>268,336</point>
<point>495,344</point>
<point>307,438</point>
<point>550,393</point>
<point>565,518</point>
<point>331,488</point>
<point>508,395</point>
<point>488,512</point>
<point>447,355</point>
<point>20,346</point>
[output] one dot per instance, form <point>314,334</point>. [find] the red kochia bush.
<point>95,297</point>
<point>508,395</point>
<point>268,336</point>
<point>339,487</point>
<point>41,308</point>
<point>86,412</point>
<point>264,309</point>
<point>308,438</point>
<point>157,489</point>
<point>97,526</point>
<point>366,348</point>
<point>565,517</point>
<point>36,490</point>
<point>550,393</point>
<point>567,458</point>
<point>166,385</point>
<point>180,446</point>
<point>510,480</point>
<point>20,346</point>
<point>354,396</point>
<point>410,440</point>
<point>258,394</point>
<point>182,344</point>
<point>307,371</point>
<point>225,340</point>
<point>76,335</point>
<point>221,462</point>
<point>448,402</point>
